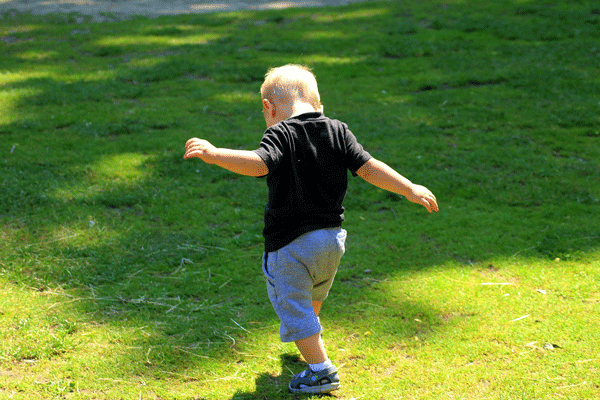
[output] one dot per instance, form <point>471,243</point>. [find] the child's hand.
<point>199,148</point>
<point>423,196</point>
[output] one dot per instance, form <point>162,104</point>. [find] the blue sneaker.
<point>324,381</point>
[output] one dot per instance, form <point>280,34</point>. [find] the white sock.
<point>320,366</point>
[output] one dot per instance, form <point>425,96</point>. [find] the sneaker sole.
<point>317,389</point>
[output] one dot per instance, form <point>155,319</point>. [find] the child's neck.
<point>286,111</point>
<point>301,108</point>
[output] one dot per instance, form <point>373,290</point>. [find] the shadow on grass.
<point>270,386</point>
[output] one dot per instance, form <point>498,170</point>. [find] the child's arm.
<point>381,175</point>
<point>239,161</point>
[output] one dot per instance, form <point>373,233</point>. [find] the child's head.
<point>291,84</point>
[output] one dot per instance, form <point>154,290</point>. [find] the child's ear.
<point>268,107</point>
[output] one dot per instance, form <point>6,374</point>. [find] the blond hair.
<point>291,82</point>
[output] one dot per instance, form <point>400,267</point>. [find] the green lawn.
<point>127,273</point>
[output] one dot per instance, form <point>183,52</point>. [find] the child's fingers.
<point>194,152</point>
<point>191,142</point>
<point>428,206</point>
<point>195,142</point>
<point>195,148</point>
<point>427,199</point>
<point>433,206</point>
<point>429,203</point>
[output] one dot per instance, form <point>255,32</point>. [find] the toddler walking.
<point>305,157</point>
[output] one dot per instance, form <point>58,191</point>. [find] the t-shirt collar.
<point>308,115</point>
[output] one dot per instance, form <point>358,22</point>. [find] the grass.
<point>128,273</point>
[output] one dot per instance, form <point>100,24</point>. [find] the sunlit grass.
<point>162,39</point>
<point>332,60</point>
<point>121,167</point>
<point>324,35</point>
<point>351,15</point>
<point>9,103</point>
<point>234,97</point>
<point>37,55</point>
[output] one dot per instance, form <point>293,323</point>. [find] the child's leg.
<point>312,348</point>
<point>317,307</point>
<point>297,274</point>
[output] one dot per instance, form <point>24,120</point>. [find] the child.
<point>305,157</point>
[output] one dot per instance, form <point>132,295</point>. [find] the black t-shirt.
<point>308,157</point>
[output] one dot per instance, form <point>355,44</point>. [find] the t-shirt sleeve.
<point>271,149</point>
<point>356,155</point>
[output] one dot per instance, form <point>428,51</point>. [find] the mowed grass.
<point>127,273</point>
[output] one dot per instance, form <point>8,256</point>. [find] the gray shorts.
<point>300,273</point>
